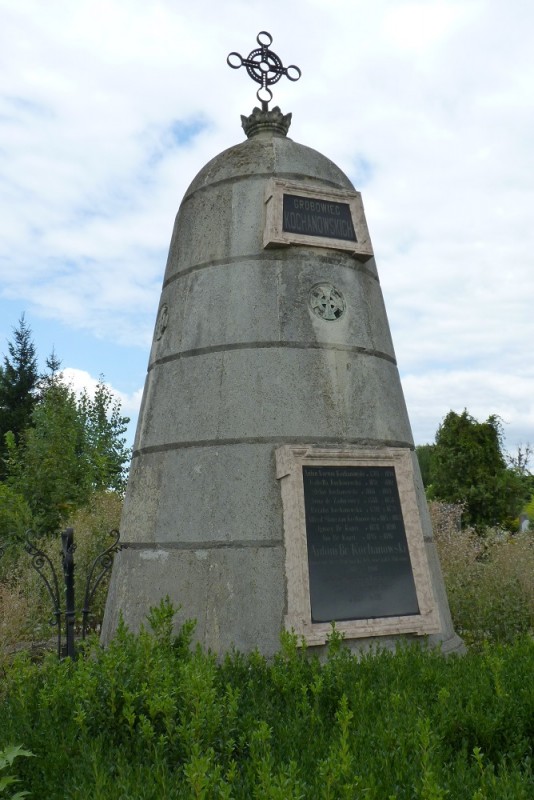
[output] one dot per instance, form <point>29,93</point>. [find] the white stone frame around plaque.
<point>275,236</point>
<point>289,462</point>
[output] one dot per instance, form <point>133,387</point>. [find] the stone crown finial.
<point>261,120</point>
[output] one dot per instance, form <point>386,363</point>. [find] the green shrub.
<point>7,757</point>
<point>150,718</point>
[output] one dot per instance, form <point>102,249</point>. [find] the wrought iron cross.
<point>264,67</point>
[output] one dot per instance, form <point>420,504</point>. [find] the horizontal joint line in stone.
<point>222,348</point>
<point>327,441</point>
<point>215,545</point>
<point>233,179</point>
<point>269,255</point>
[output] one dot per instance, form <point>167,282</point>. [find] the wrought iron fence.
<point>45,568</point>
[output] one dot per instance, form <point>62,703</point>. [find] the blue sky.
<point>108,109</point>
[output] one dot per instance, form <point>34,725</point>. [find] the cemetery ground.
<point>154,717</point>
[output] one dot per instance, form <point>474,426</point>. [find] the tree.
<point>48,465</point>
<point>19,381</point>
<point>15,515</point>
<point>424,454</point>
<point>468,466</point>
<point>104,427</point>
<point>72,449</point>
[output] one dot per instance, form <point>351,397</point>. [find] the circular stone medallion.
<point>326,301</point>
<point>162,322</point>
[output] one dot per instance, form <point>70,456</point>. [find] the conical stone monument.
<point>274,483</point>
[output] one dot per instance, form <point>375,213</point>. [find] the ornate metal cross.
<point>264,67</point>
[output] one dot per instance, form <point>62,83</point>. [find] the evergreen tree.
<point>468,466</point>
<point>424,454</point>
<point>19,381</point>
<point>53,365</point>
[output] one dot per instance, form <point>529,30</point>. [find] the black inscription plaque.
<point>358,559</point>
<point>316,217</point>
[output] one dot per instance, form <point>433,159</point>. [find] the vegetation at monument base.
<point>151,718</point>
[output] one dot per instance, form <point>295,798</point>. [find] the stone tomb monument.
<point>274,482</point>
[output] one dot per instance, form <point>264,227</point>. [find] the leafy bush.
<point>488,578</point>
<point>7,757</point>
<point>149,718</point>
<point>15,515</point>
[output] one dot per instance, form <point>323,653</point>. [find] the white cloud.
<point>425,104</point>
<point>80,380</point>
<point>509,395</point>
<point>420,26</point>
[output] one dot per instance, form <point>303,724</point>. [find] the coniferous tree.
<point>424,454</point>
<point>19,379</point>
<point>468,466</point>
<point>53,365</point>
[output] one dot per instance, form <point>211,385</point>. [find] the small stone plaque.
<point>317,217</point>
<point>358,558</point>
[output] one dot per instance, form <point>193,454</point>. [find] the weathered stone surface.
<point>248,509</point>
<point>200,398</point>
<point>226,591</point>
<point>267,300</point>
<point>240,365</point>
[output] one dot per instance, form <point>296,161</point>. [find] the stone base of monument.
<point>356,553</point>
